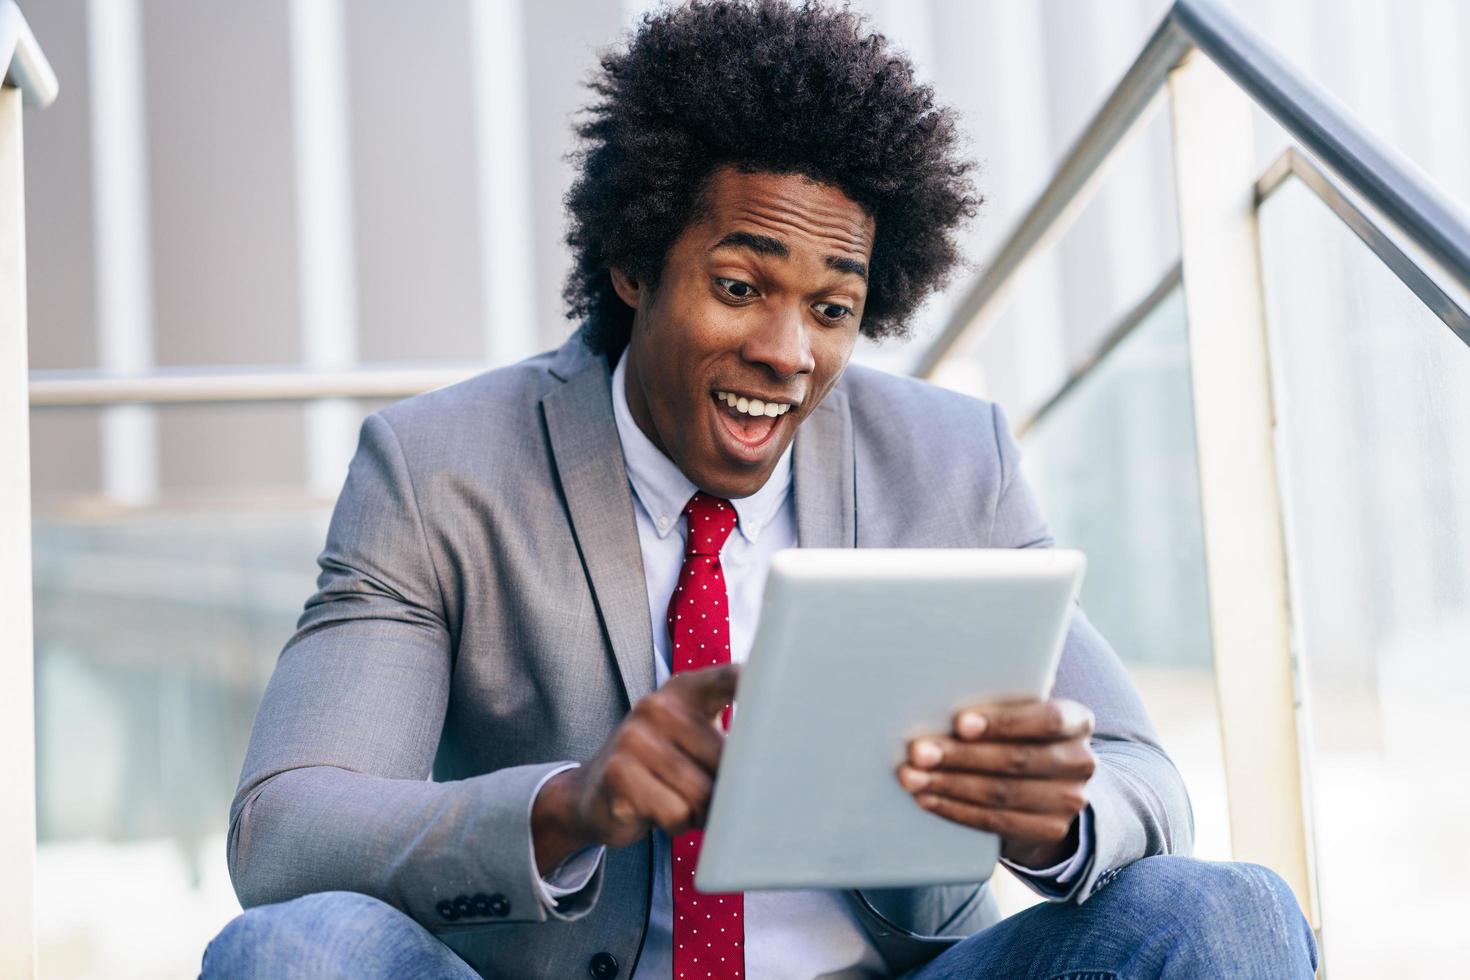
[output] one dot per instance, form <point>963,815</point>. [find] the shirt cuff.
<point>1054,882</point>
<point>575,871</point>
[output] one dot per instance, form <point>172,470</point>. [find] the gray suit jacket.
<point>480,617</point>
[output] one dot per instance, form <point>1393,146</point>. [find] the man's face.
<point>758,305</point>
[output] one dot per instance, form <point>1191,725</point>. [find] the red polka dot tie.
<point>709,930</point>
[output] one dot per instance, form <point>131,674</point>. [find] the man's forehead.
<point>790,208</point>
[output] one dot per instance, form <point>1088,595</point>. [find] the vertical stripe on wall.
<point>503,175</point>
<point>1030,336</point>
<point>324,230</point>
<point>123,242</point>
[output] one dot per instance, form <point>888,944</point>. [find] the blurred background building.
<point>333,185</point>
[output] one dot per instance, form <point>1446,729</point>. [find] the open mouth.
<point>749,422</point>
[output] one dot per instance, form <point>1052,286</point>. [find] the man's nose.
<point>781,344</point>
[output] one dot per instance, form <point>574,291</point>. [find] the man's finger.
<point>998,792</point>
<point>1057,760</point>
<point>1009,824</point>
<point>682,723</point>
<point>636,793</point>
<point>663,756</point>
<point>1042,721</point>
<point>709,689</point>
<point>699,740</point>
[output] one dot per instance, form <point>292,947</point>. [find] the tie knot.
<point>711,519</point>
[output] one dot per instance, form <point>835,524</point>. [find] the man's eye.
<point>832,311</point>
<point>736,288</point>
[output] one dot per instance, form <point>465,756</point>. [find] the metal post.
<point>17,683</point>
<point>1240,497</point>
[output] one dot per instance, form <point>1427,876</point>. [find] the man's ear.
<point>629,290</point>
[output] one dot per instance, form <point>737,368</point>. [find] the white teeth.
<point>752,406</point>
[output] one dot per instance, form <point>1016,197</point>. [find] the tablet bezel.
<point>759,833</point>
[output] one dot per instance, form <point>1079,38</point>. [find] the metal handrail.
<point>196,386</point>
<point>1445,299</point>
<point>1391,183</point>
<point>26,66</point>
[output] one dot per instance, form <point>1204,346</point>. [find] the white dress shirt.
<point>788,934</point>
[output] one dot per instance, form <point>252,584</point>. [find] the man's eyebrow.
<point>759,244</point>
<point>766,245</point>
<point>843,264</point>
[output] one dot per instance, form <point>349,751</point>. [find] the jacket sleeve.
<point>1138,801</point>
<point>335,791</point>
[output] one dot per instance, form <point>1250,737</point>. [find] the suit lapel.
<point>826,511</point>
<point>594,481</point>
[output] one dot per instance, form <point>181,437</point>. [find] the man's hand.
<point>656,770</point>
<point>1018,769</point>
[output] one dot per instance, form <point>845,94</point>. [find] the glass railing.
<point>1373,409</point>
<point>155,634</point>
<point>1114,465</point>
<point>1370,389</point>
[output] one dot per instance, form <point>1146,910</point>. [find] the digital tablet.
<point>857,652</point>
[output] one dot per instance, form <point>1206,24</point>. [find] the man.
<point>502,599</point>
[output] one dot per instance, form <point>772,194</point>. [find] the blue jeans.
<point>1166,917</point>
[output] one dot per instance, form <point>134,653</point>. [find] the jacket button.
<point>481,902</point>
<point>446,910</point>
<point>603,966</point>
<point>463,907</point>
<point>499,905</point>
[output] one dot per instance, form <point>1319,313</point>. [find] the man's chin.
<point>730,479</point>
<point>732,488</point>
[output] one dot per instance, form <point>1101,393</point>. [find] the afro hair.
<point>760,86</point>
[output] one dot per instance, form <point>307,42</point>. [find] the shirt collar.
<point>662,487</point>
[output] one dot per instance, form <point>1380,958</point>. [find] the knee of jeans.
<point>266,938</point>
<point>1272,905</point>
<point>1248,893</point>
<point>1235,904</point>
